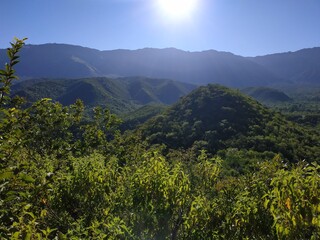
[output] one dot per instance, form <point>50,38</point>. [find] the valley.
<point>149,144</point>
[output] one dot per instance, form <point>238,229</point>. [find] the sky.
<point>243,27</point>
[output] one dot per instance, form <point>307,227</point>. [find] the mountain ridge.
<point>68,61</point>
<point>120,95</point>
<point>298,67</point>
<point>200,67</point>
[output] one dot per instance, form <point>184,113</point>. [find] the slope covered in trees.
<point>65,178</point>
<point>297,104</point>
<point>120,95</point>
<point>267,95</point>
<point>135,118</point>
<point>215,118</point>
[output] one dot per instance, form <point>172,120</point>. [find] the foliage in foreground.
<point>62,178</point>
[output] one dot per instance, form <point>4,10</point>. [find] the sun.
<point>177,9</point>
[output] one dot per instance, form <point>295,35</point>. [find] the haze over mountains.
<point>266,95</point>
<point>68,61</point>
<point>302,67</point>
<point>120,95</point>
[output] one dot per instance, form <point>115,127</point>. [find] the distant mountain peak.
<point>56,60</point>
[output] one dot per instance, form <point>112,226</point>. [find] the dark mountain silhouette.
<point>68,61</point>
<point>56,61</point>
<point>300,67</point>
<point>120,95</point>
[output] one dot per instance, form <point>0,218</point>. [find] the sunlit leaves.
<point>65,178</point>
<point>7,74</point>
<point>294,201</point>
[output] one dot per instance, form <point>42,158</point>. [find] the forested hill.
<point>63,176</point>
<point>267,95</point>
<point>120,95</point>
<point>68,61</point>
<point>216,118</point>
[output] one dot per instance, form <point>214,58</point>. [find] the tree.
<point>7,75</point>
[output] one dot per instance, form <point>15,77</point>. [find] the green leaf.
<point>9,53</point>
<point>26,178</point>
<point>31,214</point>
<point>16,235</point>
<point>15,57</point>
<point>28,236</point>
<point>14,62</point>
<point>266,202</point>
<point>6,175</point>
<point>27,206</point>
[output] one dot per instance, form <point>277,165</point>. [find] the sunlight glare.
<point>177,9</point>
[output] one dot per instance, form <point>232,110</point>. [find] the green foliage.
<point>217,118</point>
<point>294,202</point>
<point>133,119</point>
<point>304,107</point>
<point>120,95</point>
<point>65,178</point>
<point>267,95</point>
<point>7,74</point>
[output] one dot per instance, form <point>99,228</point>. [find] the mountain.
<point>68,61</point>
<point>266,95</point>
<point>137,117</point>
<point>120,95</point>
<point>217,118</point>
<point>56,61</point>
<point>300,67</point>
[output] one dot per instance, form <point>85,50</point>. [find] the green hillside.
<point>298,104</point>
<point>135,118</point>
<point>66,177</point>
<point>217,118</point>
<point>119,95</point>
<point>267,95</point>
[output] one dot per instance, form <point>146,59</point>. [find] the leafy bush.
<point>64,178</point>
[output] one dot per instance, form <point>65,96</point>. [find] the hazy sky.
<point>244,27</point>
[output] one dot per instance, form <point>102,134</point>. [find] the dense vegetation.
<point>267,95</point>
<point>216,118</point>
<point>135,118</point>
<point>302,107</point>
<point>120,95</point>
<point>64,178</point>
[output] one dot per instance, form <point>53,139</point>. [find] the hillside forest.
<point>214,164</point>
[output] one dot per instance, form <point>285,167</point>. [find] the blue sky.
<point>244,27</point>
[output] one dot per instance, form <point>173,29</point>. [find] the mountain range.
<point>69,61</point>
<point>120,95</point>
<point>302,67</point>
